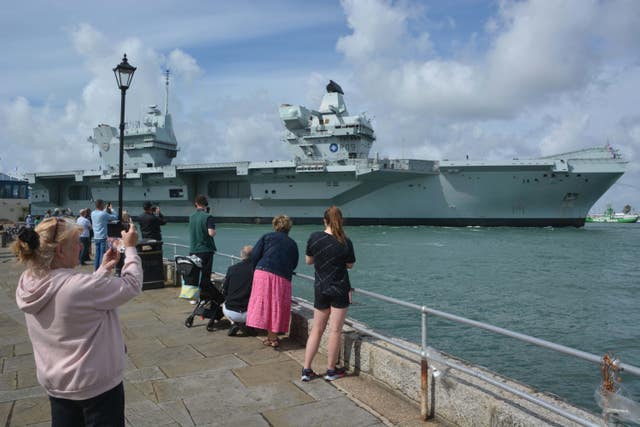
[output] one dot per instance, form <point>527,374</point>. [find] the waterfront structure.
<point>14,198</point>
<point>331,165</point>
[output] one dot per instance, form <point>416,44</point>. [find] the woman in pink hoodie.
<point>73,323</point>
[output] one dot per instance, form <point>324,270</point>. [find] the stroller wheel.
<point>189,322</point>
<point>210,326</point>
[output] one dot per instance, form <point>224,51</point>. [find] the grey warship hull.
<point>331,166</point>
<point>397,192</point>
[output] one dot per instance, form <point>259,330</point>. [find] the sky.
<point>442,79</point>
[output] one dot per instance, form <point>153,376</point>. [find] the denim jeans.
<point>101,247</point>
<point>86,245</point>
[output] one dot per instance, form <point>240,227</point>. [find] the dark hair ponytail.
<point>333,218</point>
<point>30,237</point>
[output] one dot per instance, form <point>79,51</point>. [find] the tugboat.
<point>331,165</point>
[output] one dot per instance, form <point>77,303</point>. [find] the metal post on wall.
<point>424,369</point>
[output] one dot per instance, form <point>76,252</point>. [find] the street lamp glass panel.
<point>124,73</point>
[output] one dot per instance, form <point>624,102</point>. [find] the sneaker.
<point>334,374</point>
<point>308,375</point>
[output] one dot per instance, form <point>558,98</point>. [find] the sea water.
<point>578,287</point>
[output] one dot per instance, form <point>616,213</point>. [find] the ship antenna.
<point>166,84</point>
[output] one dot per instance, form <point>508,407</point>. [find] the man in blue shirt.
<point>99,219</point>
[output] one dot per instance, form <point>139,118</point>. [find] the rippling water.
<point>576,287</point>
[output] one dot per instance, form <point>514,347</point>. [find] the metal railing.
<point>425,355</point>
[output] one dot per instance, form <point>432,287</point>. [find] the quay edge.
<point>454,398</point>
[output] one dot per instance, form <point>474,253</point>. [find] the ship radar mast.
<point>166,85</point>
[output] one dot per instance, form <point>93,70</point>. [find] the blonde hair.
<point>36,248</point>
<point>333,218</point>
<point>282,223</point>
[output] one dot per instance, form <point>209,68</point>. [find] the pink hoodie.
<point>74,327</point>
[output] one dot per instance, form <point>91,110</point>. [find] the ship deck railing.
<point>426,357</point>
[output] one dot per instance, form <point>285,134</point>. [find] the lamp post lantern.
<point>124,74</point>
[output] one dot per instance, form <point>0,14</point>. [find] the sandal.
<point>271,343</point>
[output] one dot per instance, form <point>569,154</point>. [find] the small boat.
<point>610,216</point>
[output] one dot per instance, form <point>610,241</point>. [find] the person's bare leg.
<point>320,318</point>
<point>335,331</point>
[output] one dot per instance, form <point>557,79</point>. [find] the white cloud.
<point>184,65</point>
<point>380,31</point>
<point>567,135</point>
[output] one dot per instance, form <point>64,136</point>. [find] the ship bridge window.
<point>79,192</point>
<point>228,189</point>
<point>5,191</point>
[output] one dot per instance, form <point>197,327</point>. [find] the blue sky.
<point>442,79</point>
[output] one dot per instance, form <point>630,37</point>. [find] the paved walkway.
<point>190,377</point>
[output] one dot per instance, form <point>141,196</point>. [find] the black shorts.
<point>322,302</point>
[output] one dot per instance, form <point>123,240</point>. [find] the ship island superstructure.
<point>331,165</point>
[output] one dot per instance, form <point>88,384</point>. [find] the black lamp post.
<point>124,74</point>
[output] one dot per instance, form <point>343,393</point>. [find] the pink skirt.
<point>270,302</point>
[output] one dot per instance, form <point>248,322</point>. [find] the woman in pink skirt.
<point>275,256</point>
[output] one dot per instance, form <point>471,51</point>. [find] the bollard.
<point>169,274</point>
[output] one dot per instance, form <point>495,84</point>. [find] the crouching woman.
<point>72,321</point>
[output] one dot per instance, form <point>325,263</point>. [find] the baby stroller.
<point>210,299</point>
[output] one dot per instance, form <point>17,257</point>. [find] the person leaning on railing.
<point>72,321</point>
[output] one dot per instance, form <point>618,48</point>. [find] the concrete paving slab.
<point>17,363</point>
<point>8,381</point>
<point>268,373</point>
<point>139,392</point>
<point>22,348</point>
<point>31,411</point>
<point>141,345</point>
<point>209,383</point>
<point>230,403</point>
<point>178,412</point>
<point>224,344</point>
<point>333,412</point>
<point>26,378</point>
<point>5,410</point>
<point>264,355</point>
<point>22,393</point>
<point>156,357</point>
<point>319,389</point>
<point>393,408</point>
<point>180,368</point>
<point>148,414</point>
<point>145,374</point>
<point>7,350</point>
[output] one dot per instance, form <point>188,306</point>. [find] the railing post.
<point>424,369</point>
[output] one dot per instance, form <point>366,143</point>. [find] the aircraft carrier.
<point>331,165</point>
